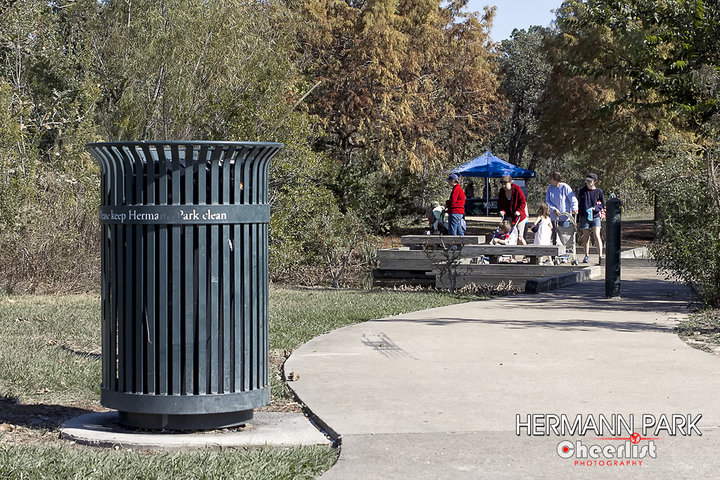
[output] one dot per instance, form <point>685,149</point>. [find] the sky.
<point>512,14</point>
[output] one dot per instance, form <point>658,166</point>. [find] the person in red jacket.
<point>512,205</point>
<point>455,206</point>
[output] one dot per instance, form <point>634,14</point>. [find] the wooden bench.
<point>417,262</point>
<point>494,252</point>
<point>518,274</point>
<point>413,263</point>
<point>440,240</point>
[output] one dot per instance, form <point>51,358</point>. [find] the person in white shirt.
<point>542,228</point>
<point>438,218</point>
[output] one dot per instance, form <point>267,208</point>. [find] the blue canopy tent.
<point>489,166</point>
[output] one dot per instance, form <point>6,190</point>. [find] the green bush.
<point>52,243</point>
<point>687,245</point>
<point>381,200</point>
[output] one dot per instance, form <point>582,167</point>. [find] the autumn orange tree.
<point>405,87</point>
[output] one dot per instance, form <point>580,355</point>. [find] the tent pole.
<point>487,196</point>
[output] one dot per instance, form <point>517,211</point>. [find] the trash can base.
<point>206,421</point>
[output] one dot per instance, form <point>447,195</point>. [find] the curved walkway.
<point>435,394</point>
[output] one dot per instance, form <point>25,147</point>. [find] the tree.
<point>663,49</point>
<point>628,75</point>
<point>651,69</point>
<point>688,234</point>
<point>182,69</point>
<point>404,85</point>
<point>116,70</point>
<point>47,106</point>
<point>525,69</point>
<point>47,90</point>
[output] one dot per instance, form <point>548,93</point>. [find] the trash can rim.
<point>181,142</point>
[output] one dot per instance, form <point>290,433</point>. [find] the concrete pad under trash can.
<point>266,429</point>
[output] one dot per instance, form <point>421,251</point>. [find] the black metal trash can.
<point>184,281</point>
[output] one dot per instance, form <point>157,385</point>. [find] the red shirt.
<point>456,203</point>
<point>515,204</point>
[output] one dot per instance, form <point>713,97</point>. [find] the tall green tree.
<point>177,69</point>
<point>665,49</point>
<point>627,76</point>
<point>647,73</point>
<point>525,70</point>
<point>47,92</point>
<point>47,108</point>
<point>183,69</point>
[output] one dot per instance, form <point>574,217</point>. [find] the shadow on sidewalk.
<point>580,307</point>
<point>569,325</point>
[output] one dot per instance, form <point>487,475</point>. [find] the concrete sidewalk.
<point>435,394</point>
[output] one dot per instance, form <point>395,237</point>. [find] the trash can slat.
<point>226,343</point>
<point>189,293</point>
<point>214,313</point>
<point>138,254</point>
<point>175,319</point>
<point>163,275</point>
<point>150,260</point>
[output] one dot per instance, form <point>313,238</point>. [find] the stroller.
<point>566,233</point>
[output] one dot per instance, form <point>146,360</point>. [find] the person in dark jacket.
<point>591,203</point>
<point>513,206</point>
<point>455,206</point>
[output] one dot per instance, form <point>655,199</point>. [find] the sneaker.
<point>586,259</point>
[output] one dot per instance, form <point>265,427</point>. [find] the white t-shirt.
<point>543,236</point>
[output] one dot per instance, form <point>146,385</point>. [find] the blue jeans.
<point>454,227</point>
<point>584,223</point>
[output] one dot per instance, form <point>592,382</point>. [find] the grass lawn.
<point>50,371</point>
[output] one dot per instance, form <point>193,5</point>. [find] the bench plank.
<point>442,239</point>
<point>534,252</point>
<point>422,260</point>
<point>527,250</point>
<point>494,274</point>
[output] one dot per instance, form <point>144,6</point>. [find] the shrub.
<point>52,243</point>
<point>687,245</point>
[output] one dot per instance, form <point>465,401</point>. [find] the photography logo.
<point>613,440</point>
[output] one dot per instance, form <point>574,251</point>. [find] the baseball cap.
<point>452,177</point>
<point>591,176</point>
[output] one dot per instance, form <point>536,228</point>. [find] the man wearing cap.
<point>591,202</point>
<point>455,206</point>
